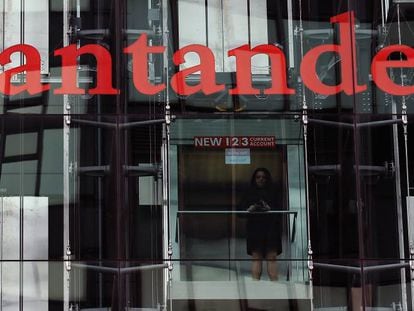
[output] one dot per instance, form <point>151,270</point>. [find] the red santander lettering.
<point>69,56</point>
<point>243,56</point>
<point>207,83</point>
<point>140,51</point>
<point>31,68</point>
<point>380,64</point>
<point>349,82</point>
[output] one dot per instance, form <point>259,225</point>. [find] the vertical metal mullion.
<point>383,15</point>
<point>398,180</point>
<point>249,34</point>
<point>118,42</point>
<point>100,207</point>
<point>119,213</point>
<point>99,178</point>
<point>386,8</point>
<point>1,250</point>
<point>165,240</point>
<point>206,14</point>
<point>125,205</point>
<point>401,238</point>
<point>222,32</point>
<point>360,213</point>
<point>22,7</point>
<point>306,162</point>
<point>66,168</point>
<point>21,175</point>
<point>167,246</point>
<point>305,123</point>
<point>3,21</point>
<point>408,207</point>
<point>358,184</point>
<point>408,213</point>
<point>290,35</point>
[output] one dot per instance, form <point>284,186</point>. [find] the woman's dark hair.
<point>267,174</point>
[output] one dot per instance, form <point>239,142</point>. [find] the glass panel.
<point>31,192</point>
<point>94,162</point>
<point>379,187</point>
<point>25,285</point>
<point>213,163</point>
<point>385,284</point>
<point>332,188</point>
<point>109,284</point>
<point>337,285</point>
<point>225,288</point>
<point>115,216</point>
<point>30,207</point>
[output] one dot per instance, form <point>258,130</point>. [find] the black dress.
<point>263,230</point>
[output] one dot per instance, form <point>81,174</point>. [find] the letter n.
<point>69,56</point>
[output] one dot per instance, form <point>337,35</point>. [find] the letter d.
<point>347,53</point>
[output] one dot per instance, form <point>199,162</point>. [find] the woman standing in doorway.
<point>263,230</point>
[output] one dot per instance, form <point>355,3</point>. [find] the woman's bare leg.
<point>257,265</point>
<point>272,265</point>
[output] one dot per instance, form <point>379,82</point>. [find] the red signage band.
<point>140,52</point>
<point>235,142</point>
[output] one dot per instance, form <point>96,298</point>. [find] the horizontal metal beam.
<point>51,79</point>
<point>233,212</point>
<point>120,270</point>
<point>141,123</point>
<point>93,33</point>
<point>386,267</point>
<point>103,33</point>
<point>365,269</point>
<point>21,78</point>
<point>94,123</point>
<point>118,125</point>
<point>325,169</point>
<point>329,266</point>
<point>94,170</point>
<point>138,32</point>
<point>378,123</point>
<point>331,123</point>
<point>95,268</point>
<point>142,170</point>
<point>144,268</point>
<point>354,125</point>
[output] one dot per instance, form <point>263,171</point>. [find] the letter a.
<point>31,68</point>
<point>243,56</point>
<point>206,68</point>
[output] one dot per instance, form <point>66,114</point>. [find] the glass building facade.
<point>133,201</point>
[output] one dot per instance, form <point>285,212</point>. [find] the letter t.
<point>140,50</point>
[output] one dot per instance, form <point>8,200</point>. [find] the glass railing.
<point>351,284</point>
<point>219,284</point>
<point>220,246</point>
